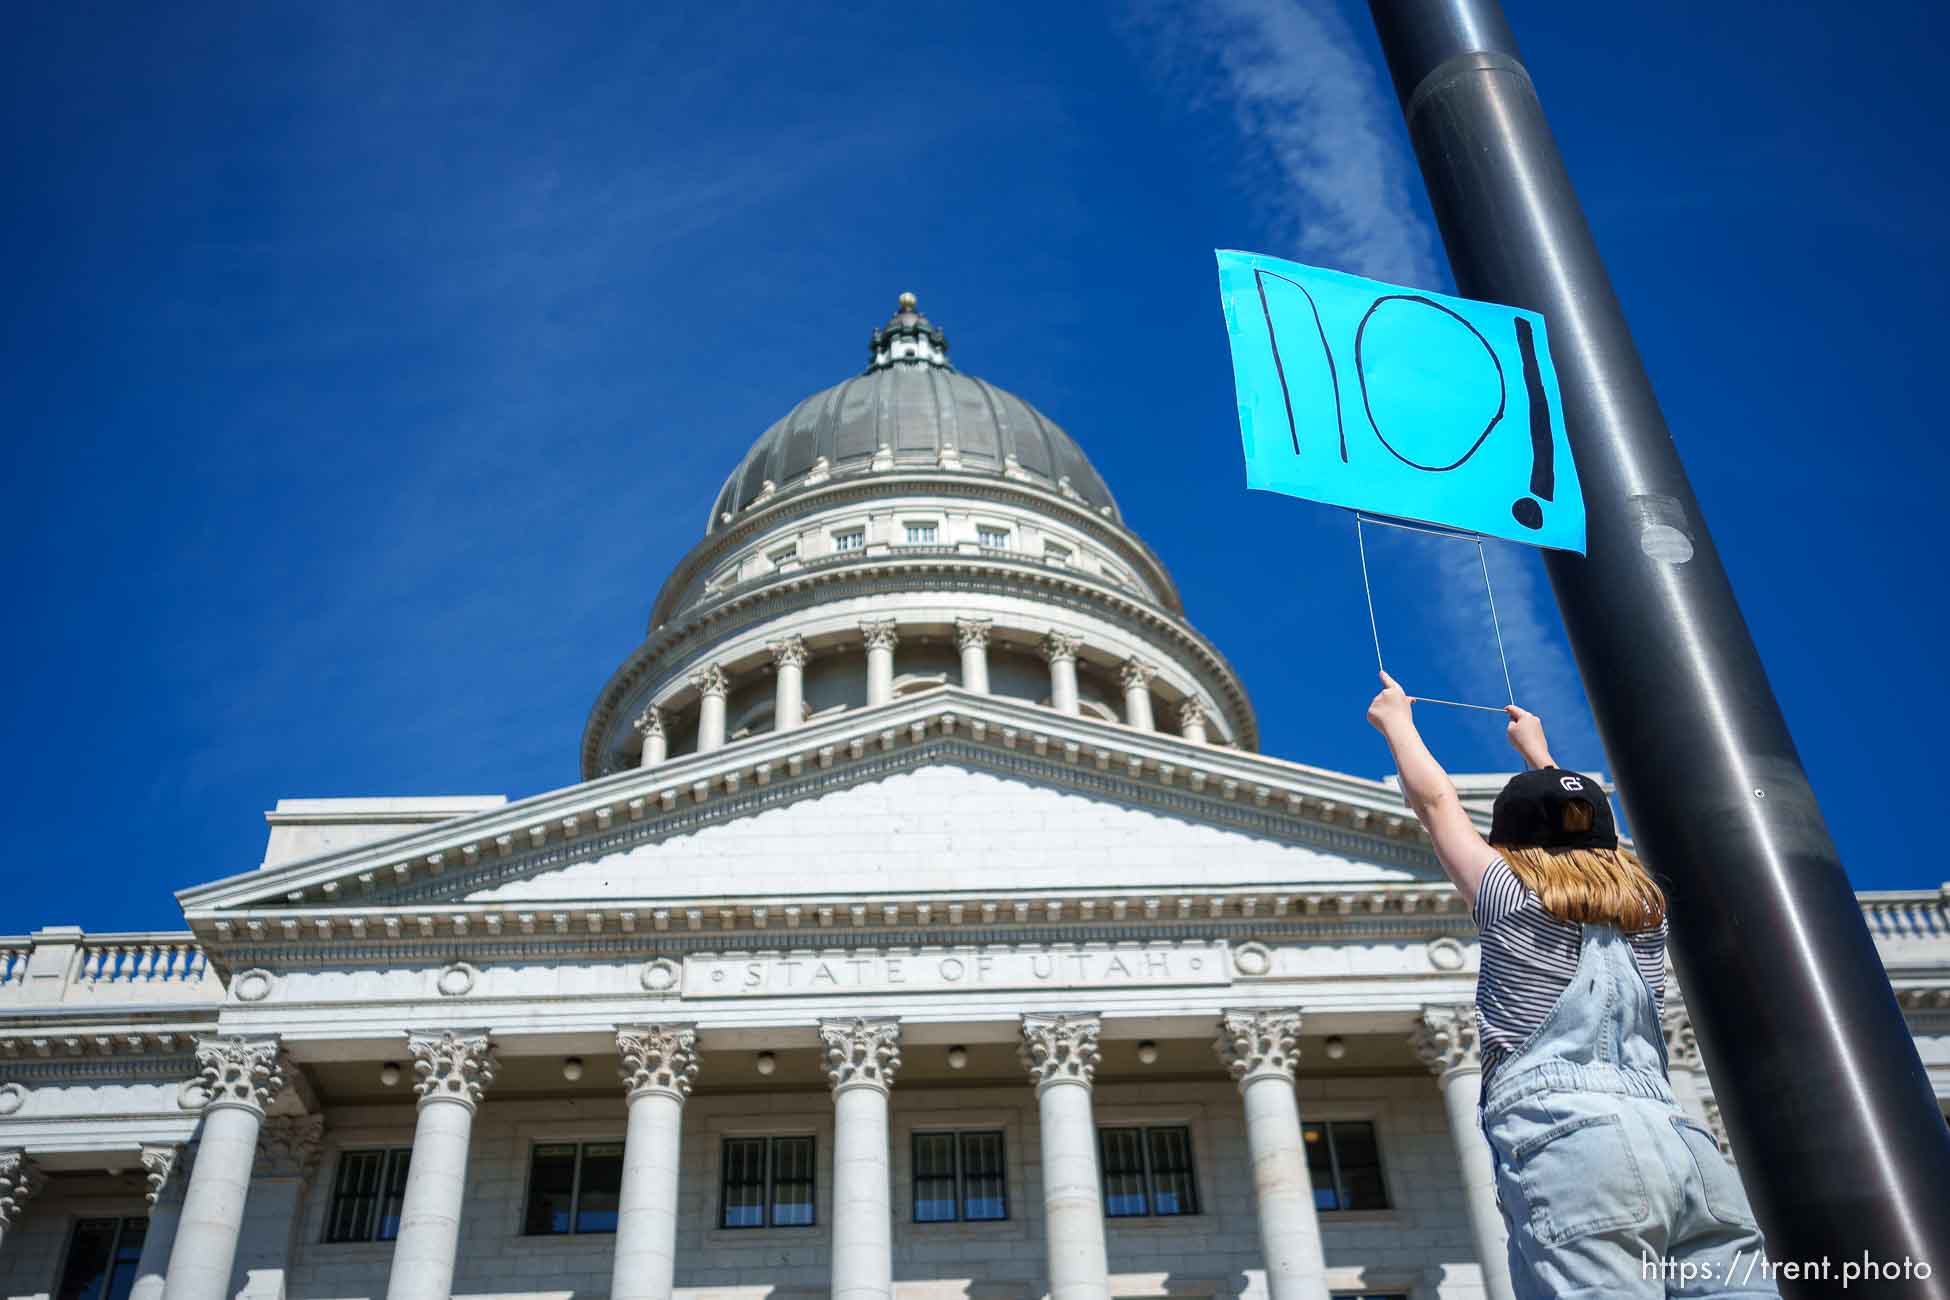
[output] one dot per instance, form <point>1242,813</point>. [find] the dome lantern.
<point>909,338</point>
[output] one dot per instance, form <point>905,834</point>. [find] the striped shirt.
<point>1530,957</point>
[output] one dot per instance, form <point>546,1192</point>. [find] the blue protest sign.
<point>1397,402</point>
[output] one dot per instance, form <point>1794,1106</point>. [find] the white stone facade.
<point>879,843</point>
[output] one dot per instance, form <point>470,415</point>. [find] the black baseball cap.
<point>1530,811</point>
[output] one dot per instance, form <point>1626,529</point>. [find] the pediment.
<point>951,823</point>
<point>941,793</point>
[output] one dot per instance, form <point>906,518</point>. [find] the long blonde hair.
<point>1596,886</point>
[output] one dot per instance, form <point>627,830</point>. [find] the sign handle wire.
<point>1374,628</point>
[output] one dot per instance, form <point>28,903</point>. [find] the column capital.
<point>861,1053</point>
<point>1135,674</point>
<point>1060,1048</point>
<point>1446,1039</point>
<point>1061,646</point>
<point>971,633</point>
<point>1191,713</point>
<point>20,1179</point>
<point>658,1059</point>
<point>881,634</point>
<point>167,1167</point>
<point>287,1146</point>
<point>453,1065</point>
<point>650,722</point>
<point>1682,1045</point>
<point>1259,1044</point>
<point>238,1071</point>
<point>789,652</point>
<point>709,680</point>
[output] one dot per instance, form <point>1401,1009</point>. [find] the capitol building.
<point>927,923</point>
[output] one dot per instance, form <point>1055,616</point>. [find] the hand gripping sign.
<point>1396,402</point>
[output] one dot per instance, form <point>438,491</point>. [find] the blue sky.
<point>366,367</point>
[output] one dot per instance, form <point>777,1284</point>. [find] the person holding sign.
<point>1607,1187</point>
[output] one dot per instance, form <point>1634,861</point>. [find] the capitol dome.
<point>910,407</point>
<point>909,529</point>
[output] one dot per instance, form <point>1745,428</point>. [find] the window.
<point>1345,1164</point>
<point>784,555</point>
<point>1054,554</point>
<point>853,539</point>
<point>958,1176</point>
<point>992,538</point>
<point>922,534</point>
<point>573,1187</point>
<point>768,1183</point>
<point>102,1256</point>
<point>366,1196</point>
<point>1147,1171</point>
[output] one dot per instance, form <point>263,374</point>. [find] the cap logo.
<point>1570,782</point>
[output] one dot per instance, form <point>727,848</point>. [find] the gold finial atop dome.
<point>908,302</point>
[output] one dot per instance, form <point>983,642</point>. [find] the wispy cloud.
<point>1331,182</point>
<point>1315,119</point>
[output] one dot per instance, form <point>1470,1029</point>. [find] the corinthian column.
<point>1446,1041</point>
<point>710,684</point>
<point>650,723</point>
<point>659,1063</point>
<point>881,637</point>
<point>1060,649</point>
<point>19,1180</point>
<point>789,701</point>
<point>240,1076</point>
<point>1191,721</point>
<point>1060,1053</point>
<point>167,1168</point>
<point>1135,677</point>
<point>454,1068</point>
<point>862,1057</point>
<point>1261,1049</point>
<point>972,639</point>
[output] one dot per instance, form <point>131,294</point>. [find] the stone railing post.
<point>659,1064</point>
<point>1262,1050</point>
<point>1060,1053</point>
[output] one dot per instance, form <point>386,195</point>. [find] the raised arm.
<point>1431,795</point>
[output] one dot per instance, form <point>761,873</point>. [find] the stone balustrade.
<point>1907,914</point>
<point>62,965</point>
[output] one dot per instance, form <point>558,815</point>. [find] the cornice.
<point>1224,786</point>
<point>670,649</point>
<point>868,485</point>
<point>611,930</point>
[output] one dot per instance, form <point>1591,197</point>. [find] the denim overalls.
<point>1606,1187</point>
